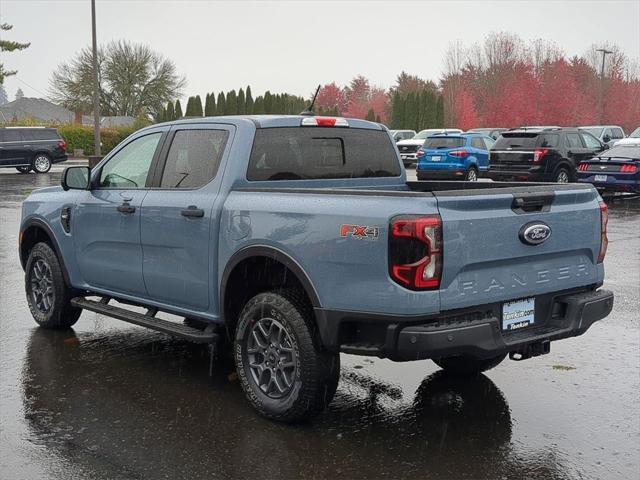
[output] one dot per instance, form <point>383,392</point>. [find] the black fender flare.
<point>274,254</point>
<point>36,222</point>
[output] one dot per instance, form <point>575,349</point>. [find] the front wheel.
<point>41,163</point>
<point>282,369</point>
<point>465,365</point>
<point>48,296</point>
<point>24,169</point>
<point>472,175</point>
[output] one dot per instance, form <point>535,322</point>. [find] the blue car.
<point>454,157</point>
<point>616,169</point>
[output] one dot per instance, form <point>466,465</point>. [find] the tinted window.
<point>193,158</point>
<point>573,140</point>
<point>590,141</point>
<point>444,142</point>
<point>10,135</point>
<point>548,140</point>
<point>128,168</point>
<point>33,134</point>
<point>517,140</point>
<point>321,152</point>
<point>478,143</point>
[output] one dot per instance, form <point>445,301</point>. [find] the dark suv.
<point>31,148</point>
<point>541,154</point>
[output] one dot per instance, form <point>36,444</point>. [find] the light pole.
<point>605,52</point>
<point>96,86</point>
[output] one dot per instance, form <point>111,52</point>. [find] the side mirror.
<point>606,139</point>
<point>76,178</point>
<point>605,146</point>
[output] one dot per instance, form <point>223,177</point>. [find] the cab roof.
<point>274,121</point>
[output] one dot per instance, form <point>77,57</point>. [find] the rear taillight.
<point>604,241</point>
<point>459,153</point>
<point>628,169</point>
<point>420,153</point>
<point>415,252</point>
<point>583,167</point>
<point>62,145</point>
<point>538,154</point>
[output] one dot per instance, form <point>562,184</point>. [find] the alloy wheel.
<point>42,292</point>
<point>271,358</point>
<point>563,177</point>
<point>42,163</point>
<point>472,176</point>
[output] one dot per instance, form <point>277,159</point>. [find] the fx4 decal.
<point>359,232</point>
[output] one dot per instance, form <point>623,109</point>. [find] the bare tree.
<point>134,80</point>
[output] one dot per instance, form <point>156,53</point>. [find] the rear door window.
<point>573,140</point>
<point>488,142</point>
<point>444,142</point>
<point>306,153</point>
<point>193,158</point>
<point>590,141</point>
<point>617,133</point>
<point>478,143</point>
<point>36,134</point>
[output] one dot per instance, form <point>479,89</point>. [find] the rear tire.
<point>48,295</point>
<point>562,176</point>
<point>468,366</point>
<point>24,169</point>
<point>472,175</point>
<point>282,369</point>
<point>41,163</point>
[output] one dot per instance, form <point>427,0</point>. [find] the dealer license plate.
<point>518,314</point>
<point>600,178</point>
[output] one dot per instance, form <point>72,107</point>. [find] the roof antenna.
<point>309,110</point>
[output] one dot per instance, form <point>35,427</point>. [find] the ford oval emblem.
<point>534,233</point>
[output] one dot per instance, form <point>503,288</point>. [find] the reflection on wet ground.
<point>108,400</point>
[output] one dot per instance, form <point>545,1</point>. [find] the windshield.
<point>593,131</point>
<point>622,151</point>
<point>424,134</point>
<point>443,142</point>
<point>635,133</point>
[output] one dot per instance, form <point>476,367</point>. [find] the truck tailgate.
<point>486,261</point>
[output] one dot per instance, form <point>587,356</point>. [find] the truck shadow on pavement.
<point>134,404</point>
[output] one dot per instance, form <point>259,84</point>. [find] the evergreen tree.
<point>19,94</point>
<point>249,102</point>
<point>178,110</point>
<point>190,107</point>
<point>258,106</point>
<point>397,111</point>
<point>267,102</point>
<point>242,103</point>
<point>161,115</point>
<point>232,103</point>
<point>222,104</point>
<point>170,113</point>
<point>210,105</point>
<point>371,115</point>
<point>197,106</point>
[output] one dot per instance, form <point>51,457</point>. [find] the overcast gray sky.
<point>292,46</point>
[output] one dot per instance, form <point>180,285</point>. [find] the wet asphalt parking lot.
<point>108,400</point>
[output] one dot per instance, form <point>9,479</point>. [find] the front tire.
<point>48,296</point>
<point>472,175</point>
<point>468,366</point>
<point>41,163</point>
<point>282,369</point>
<point>24,169</point>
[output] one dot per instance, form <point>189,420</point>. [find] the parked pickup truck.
<point>295,238</point>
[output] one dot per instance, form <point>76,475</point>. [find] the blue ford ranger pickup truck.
<point>295,238</point>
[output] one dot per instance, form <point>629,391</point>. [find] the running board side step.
<point>147,320</point>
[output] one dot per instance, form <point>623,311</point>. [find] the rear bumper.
<point>476,332</point>
<point>612,184</point>
<point>519,176</point>
<point>60,158</point>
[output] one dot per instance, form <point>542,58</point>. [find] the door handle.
<point>192,212</point>
<point>126,208</point>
